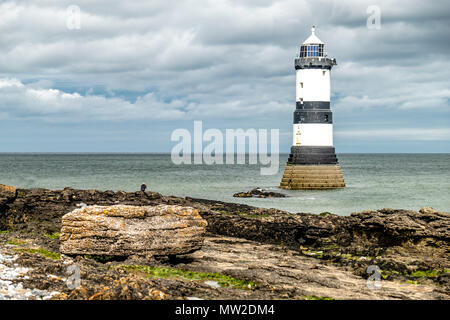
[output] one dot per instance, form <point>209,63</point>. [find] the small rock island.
<point>259,193</point>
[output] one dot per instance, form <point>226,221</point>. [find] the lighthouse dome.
<point>312,47</point>
<point>313,39</point>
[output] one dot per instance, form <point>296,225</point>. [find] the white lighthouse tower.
<point>312,163</point>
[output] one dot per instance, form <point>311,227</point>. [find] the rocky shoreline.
<point>248,252</point>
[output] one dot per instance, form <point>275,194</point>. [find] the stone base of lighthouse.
<point>312,168</point>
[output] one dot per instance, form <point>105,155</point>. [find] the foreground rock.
<point>410,248</point>
<point>11,287</point>
<point>123,230</point>
<point>259,193</point>
<point>274,272</point>
<point>7,194</point>
<point>405,244</point>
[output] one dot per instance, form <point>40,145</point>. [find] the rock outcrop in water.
<point>410,247</point>
<point>123,230</point>
<point>259,193</point>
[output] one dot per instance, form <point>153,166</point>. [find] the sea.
<point>373,181</point>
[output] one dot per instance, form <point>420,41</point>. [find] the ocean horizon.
<point>373,180</point>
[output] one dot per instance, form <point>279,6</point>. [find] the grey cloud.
<point>195,59</point>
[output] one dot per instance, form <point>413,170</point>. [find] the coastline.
<point>374,181</point>
<point>281,255</point>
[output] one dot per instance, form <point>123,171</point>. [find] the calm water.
<point>407,181</point>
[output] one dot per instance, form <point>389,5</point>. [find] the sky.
<point>126,74</point>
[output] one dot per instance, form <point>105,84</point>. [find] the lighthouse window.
<point>313,51</point>
<point>302,51</point>
<point>326,118</point>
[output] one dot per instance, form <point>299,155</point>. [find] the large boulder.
<point>124,230</point>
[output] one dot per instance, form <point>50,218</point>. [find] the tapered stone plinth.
<point>312,177</point>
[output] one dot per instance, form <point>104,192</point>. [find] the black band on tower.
<point>310,116</point>
<point>312,155</point>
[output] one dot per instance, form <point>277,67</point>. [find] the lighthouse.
<point>312,162</point>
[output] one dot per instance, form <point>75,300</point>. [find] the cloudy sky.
<point>136,70</point>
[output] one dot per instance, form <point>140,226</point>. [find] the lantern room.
<point>312,47</point>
